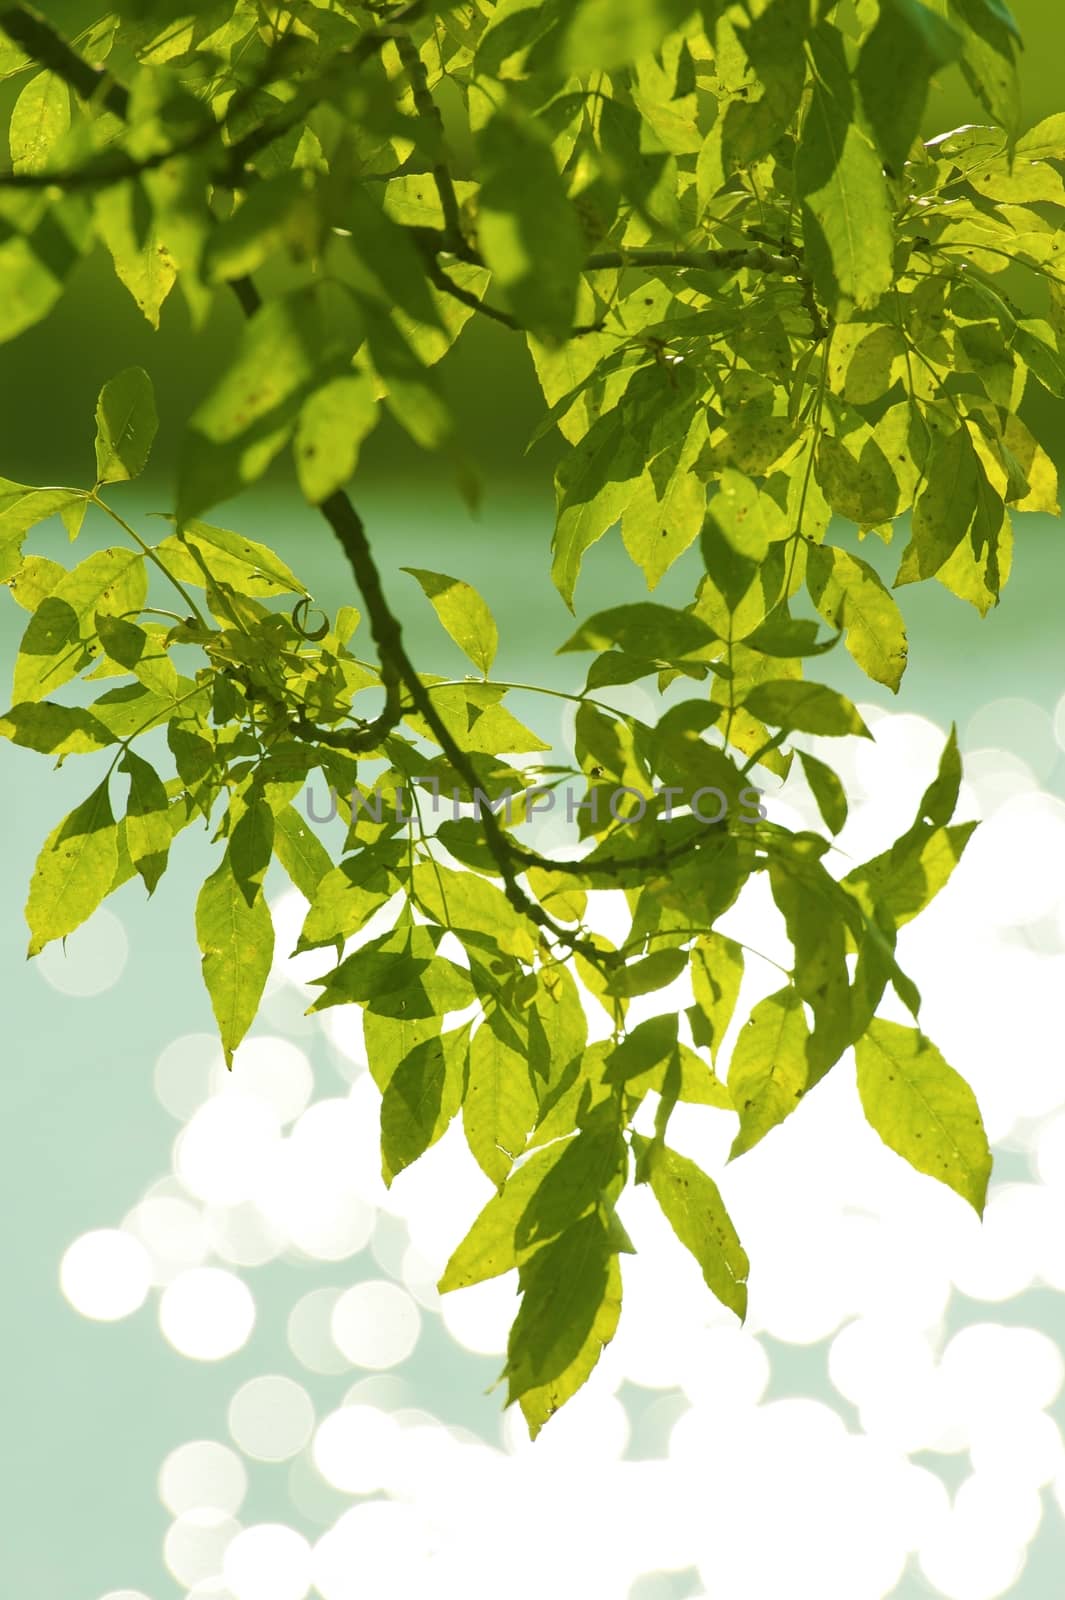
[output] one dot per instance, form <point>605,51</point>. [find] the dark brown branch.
<point>465,297</point>
<point>397,668</point>
<point>427,108</point>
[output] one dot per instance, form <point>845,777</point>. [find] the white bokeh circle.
<point>207,1313</point>
<point>106,1274</point>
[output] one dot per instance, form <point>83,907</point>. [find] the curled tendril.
<point>299,615</point>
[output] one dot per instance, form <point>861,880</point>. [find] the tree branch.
<point>427,108</point>
<point>397,668</point>
<point>708,260</point>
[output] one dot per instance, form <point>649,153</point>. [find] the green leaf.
<point>528,230</point>
<point>594,483</point>
<point>301,854</point>
<point>53,729</point>
<point>39,119</point>
<point>469,905</point>
<point>334,422</point>
<point>412,393</point>
<point>390,269</point>
<point>923,1109</point>
<point>558,1026</point>
<point>827,790</point>
<point>74,871</point>
<point>237,944</point>
<point>35,578</point>
<point>232,558</point>
<point>653,632</point>
<point>280,214</point>
<point>491,1245</point>
<point>960,531</point>
<point>602,35</point>
<point>737,593</point>
<point>653,972</point>
<point>251,846</point>
<point>54,647</point>
<point>571,1300</point>
<point>806,707</point>
<point>421,1097</point>
<point>989,58</point>
<point>847,227</point>
<point>941,796</point>
<point>1045,140</point>
<point>347,895</point>
<point>661,519</point>
<point>21,508</point>
<point>817,915</point>
<point>717,971</point>
<point>125,221</point>
<point>644,1047</point>
<point>235,433</point>
<point>398,975</point>
<point>849,594</point>
<point>148,831</point>
<point>692,1204</point>
<point>126,424</point>
<point>906,48</point>
<point>861,487</point>
<point>477,721</point>
<point>748,519</point>
<point>767,1075</point>
<point>463,613</point>
<point>904,880</point>
<point>139,652</point>
<point>500,1107</point>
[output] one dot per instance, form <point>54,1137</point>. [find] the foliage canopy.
<point>754,300</point>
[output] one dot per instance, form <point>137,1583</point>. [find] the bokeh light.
<point>196,1543</point>
<point>185,1071</point>
<point>271,1417</point>
<point>202,1473</point>
<point>310,1332</point>
<point>268,1562</point>
<point>106,1274</point>
<point>89,960</point>
<point>376,1324</point>
<point>207,1313</point>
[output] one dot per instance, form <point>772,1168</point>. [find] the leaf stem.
<point>149,551</point>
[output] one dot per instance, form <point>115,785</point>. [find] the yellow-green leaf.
<point>54,646</point>
<point>74,871</point>
<point>463,613</point>
<point>500,1107</point>
<point>237,944</point>
<point>847,225</point>
<point>923,1109</point>
<point>39,119</point>
<point>768,1071</point>
<point>849,594</point>
<point>333,423</point>
<point>126,424</point>
<point>692,1204</point>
